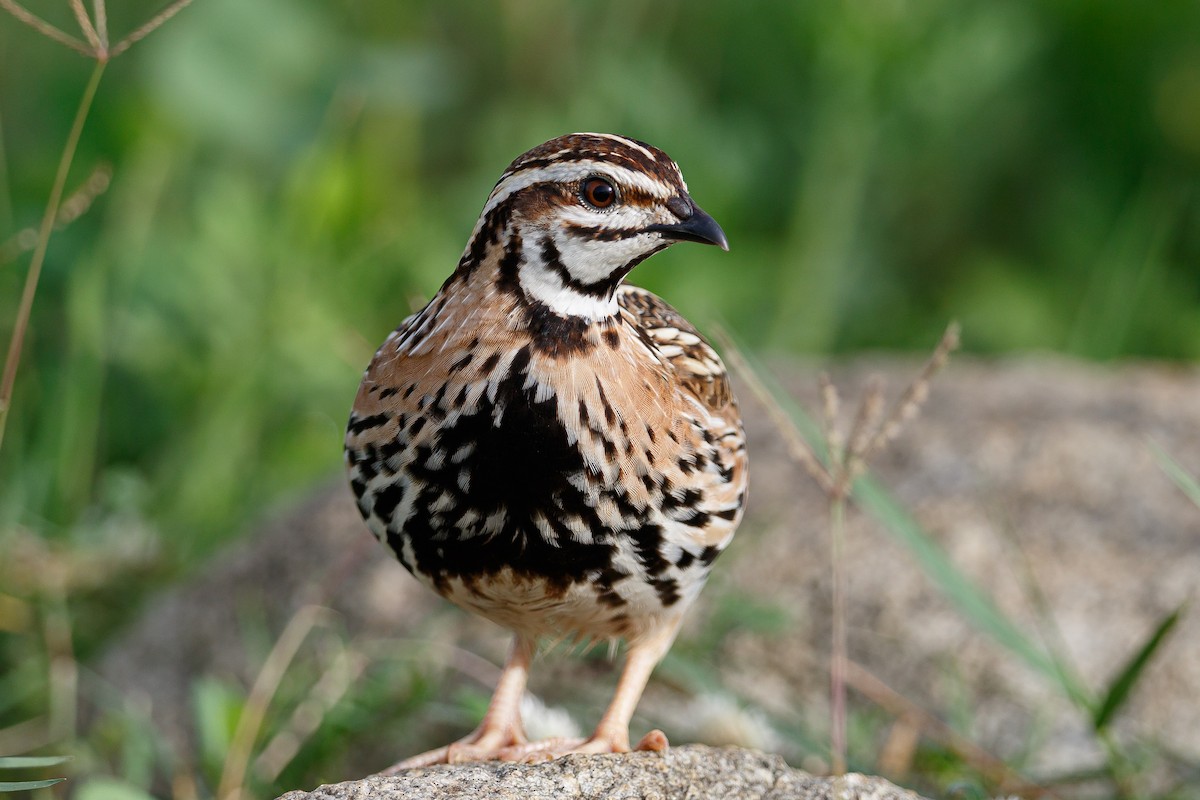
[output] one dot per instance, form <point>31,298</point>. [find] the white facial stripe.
<point>569,171</point>
<point>541,283</point>
<point>592,260</point>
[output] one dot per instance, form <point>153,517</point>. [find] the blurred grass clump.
<point>264,189</point>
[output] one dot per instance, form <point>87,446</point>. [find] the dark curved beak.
<point>694,225</point>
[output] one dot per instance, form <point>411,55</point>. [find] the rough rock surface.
<point>1028,473</point>
<point>692,772</point>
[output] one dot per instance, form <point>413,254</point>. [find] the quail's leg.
<point>501,726</point>
<point>612,734</point>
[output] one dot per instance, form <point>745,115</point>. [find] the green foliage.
<point>1127,677</point>
<point>29,762</point>
<point>217,707</point>
<point>110,789</point>
<point>25,786</point>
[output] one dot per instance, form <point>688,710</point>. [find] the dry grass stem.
<point>85,25</point>
<point>96,33</point>
<point>72,208</point>
<point>150,27</point>
<point>830,410</point>
<point>900,747</point>
<point>96,48</point>
<point>333,684</point>
<point>838,656</point>
<point>8,380</point>
<point>848,457</point>
<point>915,395</point>
<point>79,201</point>
<point>101,14</point>
<point>866,424</point>
<point>233,773</point>
<point>45,28</point>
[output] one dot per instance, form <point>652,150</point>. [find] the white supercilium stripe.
<point>569,171</point>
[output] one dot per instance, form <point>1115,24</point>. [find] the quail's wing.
<point>697,366</point>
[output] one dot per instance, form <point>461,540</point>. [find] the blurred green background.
<point>289,178</point>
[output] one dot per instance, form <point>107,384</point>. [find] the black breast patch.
<point>521,469</point>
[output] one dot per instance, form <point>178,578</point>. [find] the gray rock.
<point>691,772</point>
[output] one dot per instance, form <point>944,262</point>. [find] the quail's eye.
<point>598,193</point>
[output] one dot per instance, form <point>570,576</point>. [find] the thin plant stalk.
<point>151,25</point>
<point>837,658</point>
<point>39,254</point>
<point>45,28</point>
<point>847,457</point>
<point>96,48</point>
<point>1186,482</point>
<point>85,25</point>
<point>1117,763</point>
<point>284,746</point>
<point>101,14</point>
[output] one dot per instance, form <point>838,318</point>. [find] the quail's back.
<point>549,447</point>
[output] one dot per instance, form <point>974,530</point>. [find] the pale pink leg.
<point>612,733</point>
<point>501,726</point>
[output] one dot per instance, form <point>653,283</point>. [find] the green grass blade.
<point>1127,678</point>
<point>27,762</point>
<point>1188,484</point>
<point>958,588</point>
<point>27,786</point>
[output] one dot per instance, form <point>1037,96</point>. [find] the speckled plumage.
<point>544,445</point>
